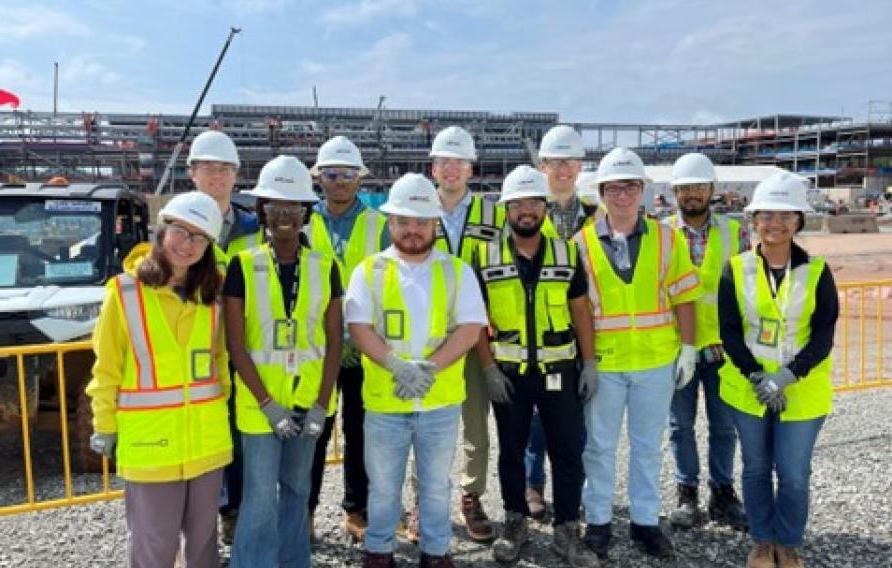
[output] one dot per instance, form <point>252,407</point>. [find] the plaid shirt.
<point>567,220</point>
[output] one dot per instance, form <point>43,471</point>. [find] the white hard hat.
<point>196,208</point>
<point>621,164</point>
<point>782,191</point>
<point>413,195</point>
<point>454,142</point>
<point>562,141</point>
<point>213,146</point>
<point>284,178</point>
<point>523,182</point>
<point>587,188</point>
<point>339,151</point>
<point>693,168</point>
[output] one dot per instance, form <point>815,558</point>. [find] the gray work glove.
<point>281,420</point>
<point>408,375</point>
<point>422,384</point>
<point>756,377</point>
<point>686,366</point>
<point>314,422</point>
<point>588,381</point>
<point>773,384</point>
<point>349,354</point>
<point>104,444</point>
<point>499,386</point>
<point>778,403</point>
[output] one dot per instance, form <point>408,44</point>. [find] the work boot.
<point>597,539</point>
<point>515,534</point>
<point>377,560</point>
<point>725,508</point>
<point>570,547</point>
<point>536,502</point>
<point>311,524</point>
<point>761,556</point>
<point>788,557</point>
<point>227,527</point>
<point>430,561</point>
<point>687,514</point>
<point>355,524</point>
<point>476,522</point>
<point>651,541</point>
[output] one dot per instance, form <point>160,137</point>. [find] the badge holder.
<point>283,341</point>
<point>202,365</point>
<point>769,329</point>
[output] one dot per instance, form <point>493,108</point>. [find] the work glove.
<point>777,403</point>
<point>497,384</point>
<point>349,354</point>
<point>408,375</point>
<point>685,366</point>
<point>281,419</point>
<point>104,444</point>
<point>422,384</point>
<point>756,377</point>
<point>774,384</point>
<point>588,381</point>
<point>314,422</point>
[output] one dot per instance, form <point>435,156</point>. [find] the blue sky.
<point>599,61</point>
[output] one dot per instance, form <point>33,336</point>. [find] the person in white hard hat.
<point>778,308</point>
<point>213,167</point>
<point>467,221</point>
<point>712,239</point>
<point>282,307</point>
<point>523,372</point>
<point>642,287</point>
<point>560,159</point>
<point>413,312</point>
<point>344,227</point>
<point>160,385</point>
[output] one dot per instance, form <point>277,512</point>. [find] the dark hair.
<point>203,279</point>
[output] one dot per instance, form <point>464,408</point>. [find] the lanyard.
<point>292,299</point>
<point>781,303</point>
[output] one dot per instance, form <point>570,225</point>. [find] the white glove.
<point>685,366</point>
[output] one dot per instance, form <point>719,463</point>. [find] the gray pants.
<point>475,417</point>
<point>158,513</point>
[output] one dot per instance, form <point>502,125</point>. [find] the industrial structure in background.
<point>133,148</point>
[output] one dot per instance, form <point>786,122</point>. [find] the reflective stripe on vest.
<point>363,242</point>
<point>484,223</point>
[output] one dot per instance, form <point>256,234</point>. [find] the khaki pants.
<point>158,513</point>
<point>475,417</point>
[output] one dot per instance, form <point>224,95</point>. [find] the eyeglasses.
<point>782,216</point>
<point>214,169</point>
<point>526,204</point>
<point>180,233</point>
<point>617,190</point>
<point>274,209</point>
<point>329,174</point>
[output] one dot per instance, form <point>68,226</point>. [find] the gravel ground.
<point>850,522</point>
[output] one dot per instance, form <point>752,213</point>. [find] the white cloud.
<point>15,76</point>
<point>250,7</point>
<point>362,12</point>
<point>29,22</point>
<point>84,72</point>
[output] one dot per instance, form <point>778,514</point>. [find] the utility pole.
<point>55,88</point>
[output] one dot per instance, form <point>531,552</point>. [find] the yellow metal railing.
<point>865,309</point>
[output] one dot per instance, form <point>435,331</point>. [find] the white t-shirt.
<point>415,280</point>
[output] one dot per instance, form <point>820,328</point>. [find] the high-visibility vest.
<point>775,330</point>
<point>364,241</point>
<point>722,242</point>
<point>391,321</point>
<point>171,413</point>
<point>272,338</point>
<point>483,223</point>
<point>634,323</point>
<point>244,242</point>
<point>555,342</point>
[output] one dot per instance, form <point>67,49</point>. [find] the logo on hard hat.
<point>284,179</point>
<point>527,181</point>
<point>453,143</point>
<point>198,214</point>
<point>343,151</point>
<point>423,198</point>
<point>623,163</point>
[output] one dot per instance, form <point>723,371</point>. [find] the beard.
<point>526,231</point>
<point>694,211</point>
<point>414,248</point>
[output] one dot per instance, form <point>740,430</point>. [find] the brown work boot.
<point>355,524</point>
<point>476,522</point>
<point>536,502</point>
<point>377,560</point>
<point>761,556</point>
<point>569,546</point>
<point>788,557</point>
<point>429,561</point>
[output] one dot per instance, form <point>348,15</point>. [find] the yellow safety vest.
<point>287,350</point>
<point>172,418</point>
<point>775,330</point>
<point>483,223</point>
<point>364,241</point>
<point>634,323</point>
<point>555,341</point>
<point>722,242</point>
<point>391,322</point>
<point>244,242</point>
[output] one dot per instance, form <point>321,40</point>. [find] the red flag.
<point>8,98</point>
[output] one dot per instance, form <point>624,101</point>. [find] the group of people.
<point>228,345</point>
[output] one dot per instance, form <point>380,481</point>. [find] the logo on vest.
<point>162,443</point>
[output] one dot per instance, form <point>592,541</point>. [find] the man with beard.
<point>413,312</point>
<point>345,228</point>
<point>536,296</point>
<point>467,221</point>
<point>712,239</point>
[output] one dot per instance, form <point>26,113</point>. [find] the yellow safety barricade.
<point>860,357</point>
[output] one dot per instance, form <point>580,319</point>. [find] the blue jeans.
<point>534,460</point>
<point>647,395</point>
<point>273,528</point>
<point>769,446</point>
<point>432,435</point>
<point>722,437</point>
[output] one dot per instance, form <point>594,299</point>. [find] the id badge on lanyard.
<point>284,340</point>
<point>770,329</point>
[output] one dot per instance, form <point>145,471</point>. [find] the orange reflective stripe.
<point>623,322</point>
<point>594,291</point>
<point>684,283</point>
<point>168,398</point>
<point>130,294</point>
